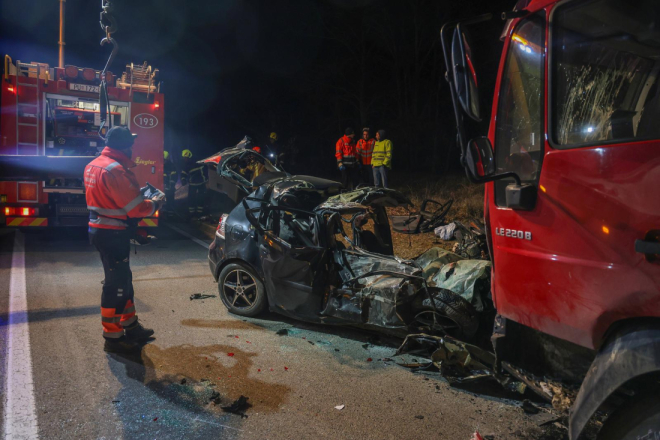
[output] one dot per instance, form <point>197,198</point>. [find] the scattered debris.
<point>445,232</point>
<point>476,436</point>
<point>282,332</point>
<point>183,381</point>
<point>116,401</point>
<point>529,407</point>
<point>311,342</point>
<point>214,395</point>
<point>238,407</point>
<point>369,359</point>
<point>155,419</point>
<point>365,346</point>
<point>230,354</point>
<point>340,407</point>
<point>200,296</point>
<point>419,417</point>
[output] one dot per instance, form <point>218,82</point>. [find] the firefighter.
<point>194,174</point>
<point>347,159</point>
<point>169,181</point>
<point>381,159</point>
<point>364,149</point>
<point>114,199</point>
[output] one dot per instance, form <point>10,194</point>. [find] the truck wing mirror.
<point>465,76</point>
<point>479,158</point>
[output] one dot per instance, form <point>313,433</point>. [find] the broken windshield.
<point>605,72</point>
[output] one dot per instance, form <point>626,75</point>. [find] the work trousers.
<point>196,198</point>
<point>380,176</point>
<point>117,306</point>
<point>367,175</point>
<point>350,177</point>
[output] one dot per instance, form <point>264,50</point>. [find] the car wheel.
<point>638,420</point>
<point>452,315</point>
<point>241,290</point>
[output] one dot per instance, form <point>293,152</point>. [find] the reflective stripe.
<point>196,169</point>
<point>129,321</point>
<point>197,184</point>
<point>128,310</point>
<point>112,320</point>
<point>107,221</point>
<point>104,211</point>
<point>133,203</point>
<point>111,166</point>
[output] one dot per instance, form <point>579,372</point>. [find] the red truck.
<point>49,123</point>
<point>571,166</point>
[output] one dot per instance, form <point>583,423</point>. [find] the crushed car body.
<point>300,247</point>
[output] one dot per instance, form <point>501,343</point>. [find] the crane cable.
<point>109,26</point>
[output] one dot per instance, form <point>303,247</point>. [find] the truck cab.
<point>570,165</point>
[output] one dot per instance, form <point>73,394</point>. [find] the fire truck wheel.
<point>638,420</point>
<point>241,290</point>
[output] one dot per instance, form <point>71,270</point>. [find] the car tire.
<point>241,290</point>
<point>635,420</point>
<point>454,308</point>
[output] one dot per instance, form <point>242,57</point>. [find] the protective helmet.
<point>187,154</point>
<point>257,149</point>
<point>273,136</point>
<point>166,155</point>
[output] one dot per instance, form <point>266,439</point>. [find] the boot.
<point>137,333</point>
<point>121,346</point>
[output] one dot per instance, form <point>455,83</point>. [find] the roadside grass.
<point>468,205</point>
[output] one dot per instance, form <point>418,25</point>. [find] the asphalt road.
<point>293,382</point>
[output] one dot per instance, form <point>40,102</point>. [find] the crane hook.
<point>115,49</point>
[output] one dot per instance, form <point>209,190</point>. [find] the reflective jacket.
<point>169,175</point>
<point>193,173</point>
<point>382,155</point>
<point>345,151</point>
<point>112,191</point>
<point>364,150</point>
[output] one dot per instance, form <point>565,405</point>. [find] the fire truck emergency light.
<point>22,211</point>
<point>156,104</point>
<point>11,89</point>
<point>71,71</point>
<point>89,74</point>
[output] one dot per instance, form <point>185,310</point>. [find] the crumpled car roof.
<point>371,195</point>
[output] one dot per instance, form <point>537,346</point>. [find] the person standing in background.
<point>381,159</point>
<point>347,159</point>
<point>365,148</point>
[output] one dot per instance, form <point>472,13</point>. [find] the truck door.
<point>582,126</point>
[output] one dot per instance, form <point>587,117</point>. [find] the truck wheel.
<point>638,420</point>
<point>453,315</point>
<point>241,290</point>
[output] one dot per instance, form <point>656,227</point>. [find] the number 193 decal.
<point>513,233</point>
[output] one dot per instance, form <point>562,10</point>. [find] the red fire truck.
<point>571,167</point>
<point>49,124</point>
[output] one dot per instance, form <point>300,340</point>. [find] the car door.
<point>292,260</point>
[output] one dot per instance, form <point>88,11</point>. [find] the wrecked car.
<point>234,172</point>
<point>300,248</point>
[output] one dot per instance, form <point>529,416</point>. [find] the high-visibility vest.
<point>345,151</point>
<point>382,154</point>
<point>364,150</point>
<point>112,191</point>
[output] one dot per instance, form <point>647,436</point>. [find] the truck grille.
<point>72,210</point>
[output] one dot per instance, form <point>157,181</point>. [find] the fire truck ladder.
<point>141,78</point>
<point>27,107</point>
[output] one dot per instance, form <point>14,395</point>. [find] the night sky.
<point>306,69</point>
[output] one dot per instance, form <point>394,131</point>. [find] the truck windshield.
<point>605,63</point>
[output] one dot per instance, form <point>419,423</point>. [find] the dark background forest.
<point>306,69</point>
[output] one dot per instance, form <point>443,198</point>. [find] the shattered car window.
<point>605,73</point>
<point>294,228</point>
<point>248,166</point>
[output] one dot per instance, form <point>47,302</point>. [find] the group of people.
<point>365,161</point>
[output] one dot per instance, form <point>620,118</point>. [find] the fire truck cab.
<point>571,167</point>
<point>49,124</point>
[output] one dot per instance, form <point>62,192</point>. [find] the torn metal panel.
<point>467,278</point>
<point>373,196</point>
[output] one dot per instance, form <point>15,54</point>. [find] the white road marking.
<point>20,415</point>
<point>185,234</point>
